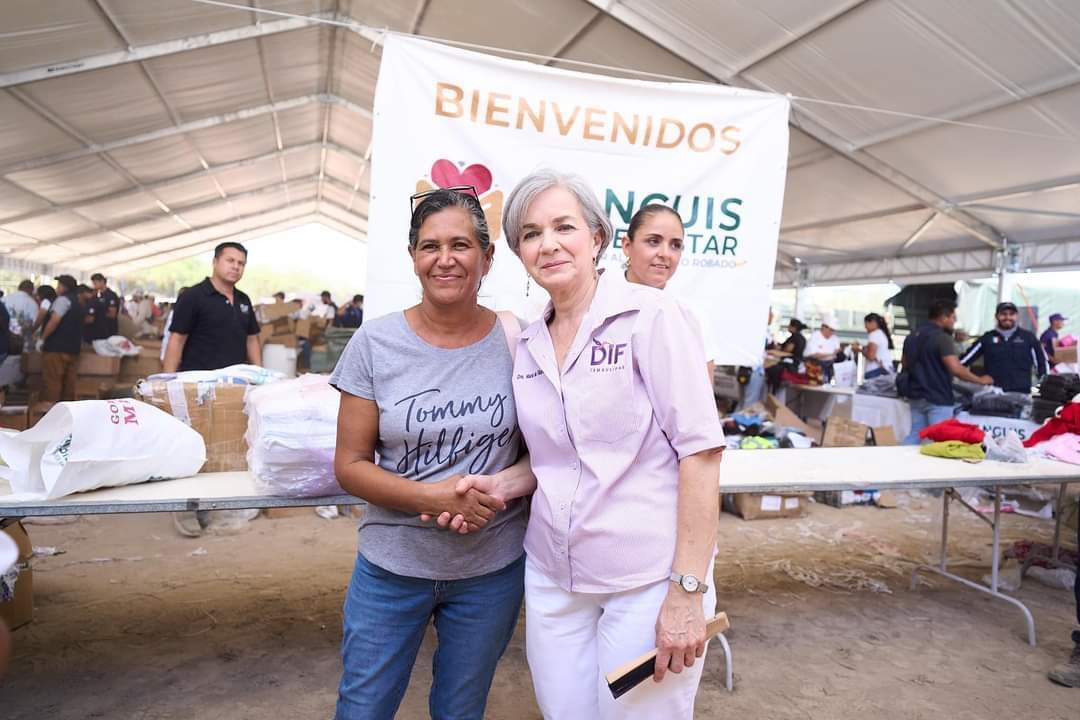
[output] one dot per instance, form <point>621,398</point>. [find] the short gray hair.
<point>523,194</point>
<point>443,199</point>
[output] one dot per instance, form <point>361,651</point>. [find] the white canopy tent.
<point>135,132</point>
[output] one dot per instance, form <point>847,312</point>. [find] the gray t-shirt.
<point>441,413</point>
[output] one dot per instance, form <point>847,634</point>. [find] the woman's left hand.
<point>680,632</point>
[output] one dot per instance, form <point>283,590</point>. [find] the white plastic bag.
<point>85,445</point>
<point>291,435</point>
<point>116,346</point>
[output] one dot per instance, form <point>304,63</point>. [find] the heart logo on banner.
<point>446,174</point>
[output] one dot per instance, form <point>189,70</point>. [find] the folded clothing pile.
<point>1066,420</point>
<point>291,437</point>
<point>1002,404</point>
<point>1053,392</point>
<point>964,441</point>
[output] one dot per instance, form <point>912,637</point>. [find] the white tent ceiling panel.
<point>121,209</point>
<point>398,15</point>
<point>1063,106</point>
<point>344,167</point>
<point>236,140</point>
<point>877,56</point>
<point>294,61</point>
<point>249,177</point>
<point>540,28</point>
<point>609,42</point>
<point>338,194</point>
<point>24,135</point>
<point>706,24</point>
<point>868,238</point>
<point>213,80</point>
<point>48,32</point>
<point>150,229</point>
<point>351,219</point>
<point>349,130</point>
<point>61,224</point>
<point>158,159</point>
<point>300,164</point>
<point>801,145</point>
<point>153,21</point>
<point>301,125</point>
<point>188,192</point>
<point>990,31</point>
<point>77,179</point>
<point>1047,215</point>
<point>359,69</point>
<point>15,201</point>
<point>814,191</point>
<point>101,242</point>
<point>90,107</point>
<point>1058,20</point>
<point>955,160</point>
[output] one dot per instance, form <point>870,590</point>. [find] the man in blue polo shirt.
<point>1050,335</point>
<point>1009,352</point>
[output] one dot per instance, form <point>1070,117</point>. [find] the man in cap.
<point>822,348</point>
<point>62,341</point>
<point>1009,352</point>
<point>1050,336</point>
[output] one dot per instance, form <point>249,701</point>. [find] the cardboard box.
<point>758,506</point>
<point>38,410</point>
<point>92,388</point>
<point>92,364</point>
<point>215,411</point>
<point>841,432</point>
<point>269,313</point>
<point>141,366</point>
<point>20,609</point>
<point>15,417</point>
<point>783,417</point>
<point>1065,355</point>
<point>884,436</point>
<point>303,328</point>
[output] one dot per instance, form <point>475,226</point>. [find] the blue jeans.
<point>923,415</point>
<point>755,388</point>
<point>386,616</point>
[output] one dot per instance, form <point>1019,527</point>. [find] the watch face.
<point>690,583</point>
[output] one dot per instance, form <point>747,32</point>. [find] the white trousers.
<point>572,640</point>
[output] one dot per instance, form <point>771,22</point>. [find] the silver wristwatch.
<point>689,583</point>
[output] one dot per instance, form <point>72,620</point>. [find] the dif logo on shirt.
<point>607,355</point>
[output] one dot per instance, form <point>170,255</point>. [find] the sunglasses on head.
<point>467,189</point>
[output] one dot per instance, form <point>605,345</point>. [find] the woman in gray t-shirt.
<point>427,426</point>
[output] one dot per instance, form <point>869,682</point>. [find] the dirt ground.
<point>133,621</point>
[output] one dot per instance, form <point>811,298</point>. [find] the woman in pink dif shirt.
<point>625,444</point>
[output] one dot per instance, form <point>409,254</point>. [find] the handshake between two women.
<point>465,503</point>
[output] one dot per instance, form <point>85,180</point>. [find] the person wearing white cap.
<point>823,346</point>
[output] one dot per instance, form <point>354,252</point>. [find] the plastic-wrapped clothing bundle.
<point>232,375</point>
<point>1009,448</point>
<point>1005,404</point>
<point>291,436</point>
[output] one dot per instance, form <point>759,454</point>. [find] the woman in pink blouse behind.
<point>625,444</point>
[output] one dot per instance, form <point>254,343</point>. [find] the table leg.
<point>994,564</point>
<point>729,670</point>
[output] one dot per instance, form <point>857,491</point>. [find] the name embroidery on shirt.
<point>529,376</point>
<point>450,443</point>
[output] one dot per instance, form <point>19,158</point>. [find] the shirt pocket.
<point>610,406</point>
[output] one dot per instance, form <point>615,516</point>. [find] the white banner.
<point>716,154</point>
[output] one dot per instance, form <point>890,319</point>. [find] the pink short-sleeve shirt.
<point>605,436</point>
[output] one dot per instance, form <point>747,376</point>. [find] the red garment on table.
<point>793,378</point>
<point>1067,421</point>
<point>953,429</point>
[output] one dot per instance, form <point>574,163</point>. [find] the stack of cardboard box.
<point>97,374</point>
<point>277,327</point>
<point>19,610</point>
<point>141,366</point>
<point>215,411</point>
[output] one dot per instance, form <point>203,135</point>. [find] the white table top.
<point>760,471</point>
<point>828,389</point>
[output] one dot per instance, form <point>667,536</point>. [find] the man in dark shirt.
<point>1050,335</point>
<point>213,323</point>
<point>62,339</point>
<point>351,315</point>
<point>931,362</point>
<point>1009,352</point>
<point>106,309</point>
